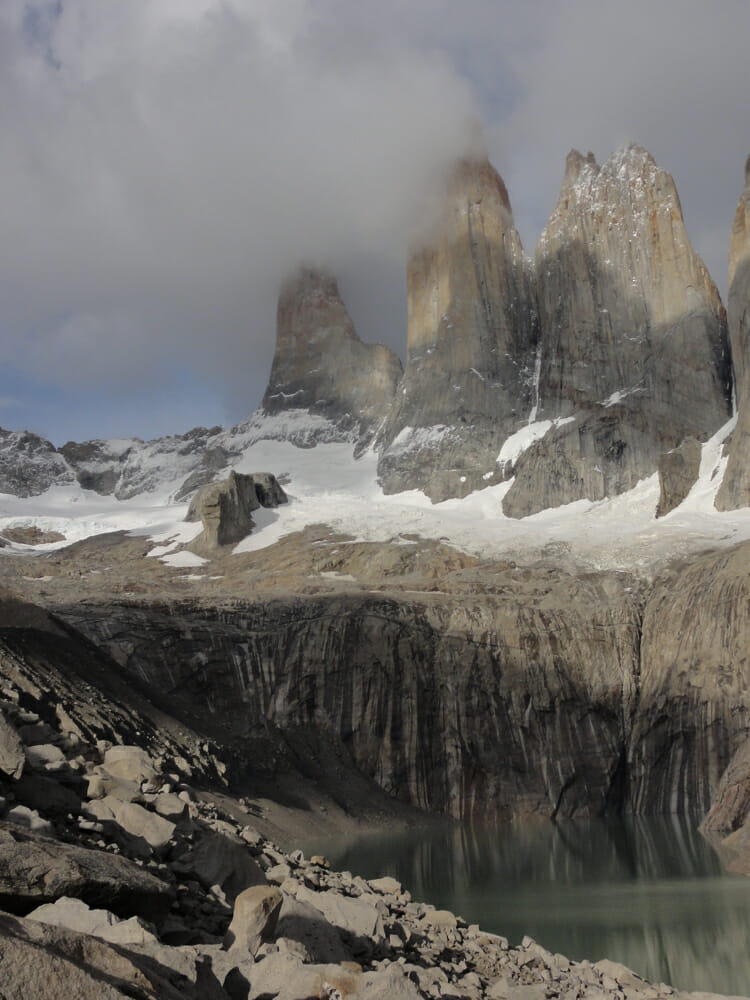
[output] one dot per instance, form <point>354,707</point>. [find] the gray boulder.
<point>41,962</point>
<point>133,819</point>
<point>305,924</point>
<point>12,756</point>
<point>75,915</point>
<point>226,507</point>
<point>218,859</point>
<point>35,869</point>
<point>256,912</point>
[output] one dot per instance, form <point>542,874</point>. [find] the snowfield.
<point>326,485</point>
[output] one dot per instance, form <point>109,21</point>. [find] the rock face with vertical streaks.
<point>320,364</point>
<point>471,343</point>
<point>735,489</point>
<point>634,336</point>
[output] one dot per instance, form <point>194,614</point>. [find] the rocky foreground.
<point>127,869</point>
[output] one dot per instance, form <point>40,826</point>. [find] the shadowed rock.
<point>36,869</point>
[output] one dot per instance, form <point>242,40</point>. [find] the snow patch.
<point>418,438</point>
<point>183,559</point>
<point>514,446</point>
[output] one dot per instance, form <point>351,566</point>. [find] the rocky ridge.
<point>572,376</point>
<point>129,870</point>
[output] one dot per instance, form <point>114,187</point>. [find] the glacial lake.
<point>649,893</point>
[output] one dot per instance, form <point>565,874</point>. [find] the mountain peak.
<point>320,364</point>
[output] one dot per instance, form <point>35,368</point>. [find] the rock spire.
<point>470,344</point>
<point>634,340</point>
<point>322,366</point>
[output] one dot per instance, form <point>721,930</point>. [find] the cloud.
<point>170,160</point>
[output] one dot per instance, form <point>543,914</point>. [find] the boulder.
<point>170,806</point>
<point>12,756</point>
<point>678,472</point>
<point>75,915</point>
<point>218,859</point>
<point>35,869</point>
<point>226,507</point>
<point>44,756</point>
<point>129,764</point>
<point>304,924</point>
<point>133,819</point>
<point>359,918</point>
<point>42,962</point>
<point>256,912</point>
<point>47,795</point>
<point>29,818</point>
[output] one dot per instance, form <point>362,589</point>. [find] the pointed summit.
<point>321,366</point>
<point>633,332</point>
<point>470,346</point>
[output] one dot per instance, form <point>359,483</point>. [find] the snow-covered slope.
<point>326,485</point>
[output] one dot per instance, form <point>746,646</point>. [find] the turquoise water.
<point>648,893</point>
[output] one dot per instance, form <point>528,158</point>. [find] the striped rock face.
<point>735,490</point>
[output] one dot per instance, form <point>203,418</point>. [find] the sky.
<point>164,164</point>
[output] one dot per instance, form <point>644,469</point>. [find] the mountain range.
<point>567,376</point>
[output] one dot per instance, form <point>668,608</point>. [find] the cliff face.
<point>694,702</point>
<point>735,489</point>
<point>542,692</point>
<point>321,365</point>
<point>470,348</point>
<point>483,706</point>
<point>634,338</point>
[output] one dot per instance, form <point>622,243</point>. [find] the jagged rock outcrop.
<point>176,464</point>
<point>472,337</point>
<point>735,488</point>
<point>226,507</point>
<point>633,333</point>
<point>321,366</point>
<point>678,473</point>
<point>126,468</point>
<point>30,464</point>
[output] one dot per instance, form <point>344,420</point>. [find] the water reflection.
<point>646,892</point>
